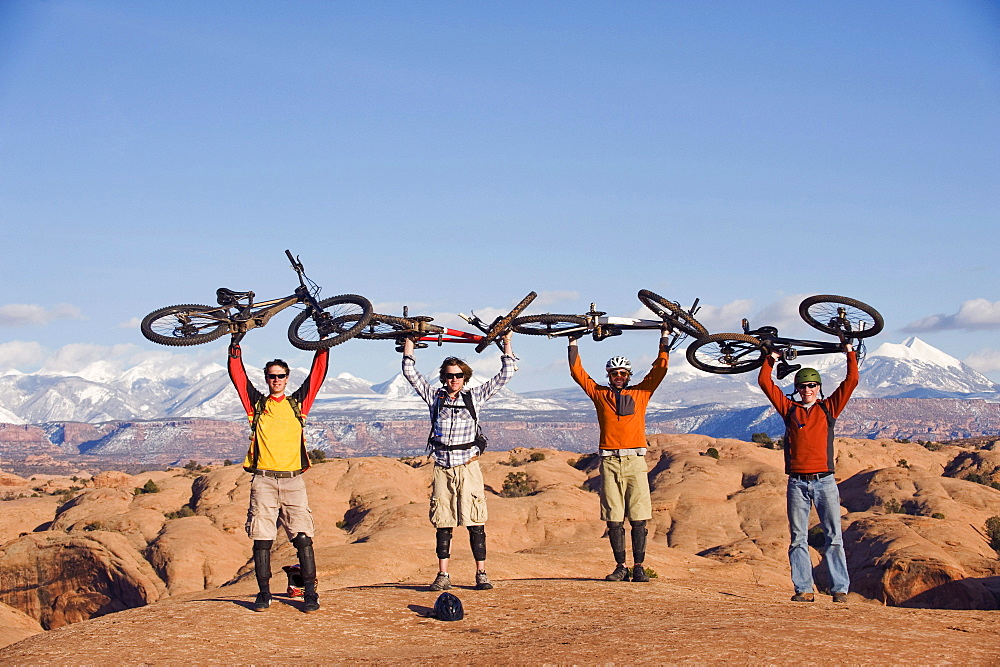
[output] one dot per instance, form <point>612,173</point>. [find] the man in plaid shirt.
<point>458,497</point>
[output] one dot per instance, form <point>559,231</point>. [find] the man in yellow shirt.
<point>277,458</point>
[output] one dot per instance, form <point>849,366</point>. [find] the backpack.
<point>480,440</point>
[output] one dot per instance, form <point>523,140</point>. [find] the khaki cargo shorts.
<point>457,496</point>
<point>625,489</point>
<point>273,500</point>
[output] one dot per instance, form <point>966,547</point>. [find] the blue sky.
<point>453,156</point>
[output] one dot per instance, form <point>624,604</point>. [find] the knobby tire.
<point>726,353</point>
<point>186,324</point>
<point>503,325</point>
<point>548,324</point>
<point>820,310</point>
<point>672,313</point>
<point>341,318</point>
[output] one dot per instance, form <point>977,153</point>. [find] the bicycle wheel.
<point>503,325</point>
<point>187,324</point>
<point>340,318</point>
<point>823,312</point>
<point>548,324</point>
<point>386,327</point>
<point>670,312</point>
<point>726,353</point>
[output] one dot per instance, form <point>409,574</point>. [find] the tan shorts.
<point>273,500</point>
<point>458,497</point>
<point>625,489</point>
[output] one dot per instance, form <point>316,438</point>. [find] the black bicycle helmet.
<point>448,608</point>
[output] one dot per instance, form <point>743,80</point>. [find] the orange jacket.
<point>620,431</point>
<point>809,433</point>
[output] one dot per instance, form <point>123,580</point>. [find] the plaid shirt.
<point>454,425</point>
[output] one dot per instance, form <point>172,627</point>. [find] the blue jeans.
<point>800,496</point>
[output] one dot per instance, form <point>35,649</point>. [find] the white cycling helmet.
<point>618,362</point>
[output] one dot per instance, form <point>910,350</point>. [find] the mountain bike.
<point>849,319</point>
<point>320,324</point>
<point>419,327</point>
<point>600,326</point>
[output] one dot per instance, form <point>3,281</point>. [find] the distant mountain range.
<point>162,390</point>
<point>159,412</point>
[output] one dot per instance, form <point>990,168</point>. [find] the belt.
<point>812,477</point>
<point>278,474</point>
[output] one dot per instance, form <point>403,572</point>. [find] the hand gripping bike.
<point>320,324</point>
<point>599,326</point>
<point>848,319</point>
<point>419,327</point>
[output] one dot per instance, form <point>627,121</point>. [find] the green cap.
<point>807,375</point>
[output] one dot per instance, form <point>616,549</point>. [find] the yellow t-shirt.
<point>279,437</point>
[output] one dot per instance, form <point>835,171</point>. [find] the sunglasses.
<point>619,374</point>
<point>276,376</point>
<point>452,376</point>
<point>807,385</point>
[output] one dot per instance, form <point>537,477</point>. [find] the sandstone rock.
<point>25,515</point>
<point>60,579</point>
<point>191,554</point>
<point>112,479</point>
<point>15,625</point>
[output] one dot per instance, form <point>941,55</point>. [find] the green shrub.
<point>993,533</point>
<point>713,452</point>
<point>227,462</point>
<point>342,524</point>
<point>816,538</point>
<point>184,511</point>
<point>95,525</point>
<point>537,456</point>
<point>980,478</point>
<point>650,572</point>
<point>930,445</point>
<point>937,515</point>
<point>901,463</point>
<point>317,456</point>
<point>892,506</point>
<point>149,487</point>
<point>516,485</point>
<point>762,439</point>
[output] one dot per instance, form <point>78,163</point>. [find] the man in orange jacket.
<point>621,414</point>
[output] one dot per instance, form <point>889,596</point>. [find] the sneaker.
<point>482,581</point>
<point>639,573</point>
<point>620,573</point>
<point>262,603</point>
<point>840,597</point>
<point>441,583</point>
<point>311,602</point>
<point>803,597</point>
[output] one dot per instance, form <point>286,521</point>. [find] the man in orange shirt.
<point>809,462</point>
<point>277,458</point>
<point>621,414</point>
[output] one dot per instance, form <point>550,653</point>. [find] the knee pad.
<point>262,545</point>
<point>443,543</point>
<point>616,534</point>
<point>639,540</point>
<point>301,541</point>
<point>477,540</point>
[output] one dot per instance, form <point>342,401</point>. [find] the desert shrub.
<point>184,511</point>
<point>95,525</point>
<point>902,441</point>
<point>650,572</point>
<point>149,487</point>
<point>192,465</point>
<point>713,452</point>
<point>537,456</point>
<point>930,445</point>
<point>892,506</point>
<point>227,462</point>
<point>762,439</point>
<point>571,462</point>
<point>317,456</point>
<point>937,515</point>
<point>516,485</point>
<point>816,538</point>
<point>901,463</point>
<point>342,524</point>
<point>586,461</point>
<point>980,478</point>
<point>993,533</point>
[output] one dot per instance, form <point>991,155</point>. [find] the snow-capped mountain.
<point>174,386</point>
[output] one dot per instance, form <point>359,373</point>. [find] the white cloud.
<point>20,355</point>
<point>972,315</point>
<point>23,314</point>
<point>130,324</point>
<point>984,361</point>
<point>725,318</point>
<point>555,296</point>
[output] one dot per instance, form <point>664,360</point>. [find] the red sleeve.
<point>306,394</point>
<point>238,374</point>
<point>838,399</point>
<point>777,397</point>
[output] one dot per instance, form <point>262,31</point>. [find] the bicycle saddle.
<point>227,297</point>
<point>785,369</point>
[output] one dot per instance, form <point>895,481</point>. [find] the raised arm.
<point>576,370</point>
<point>238,374</point>
<point>306,394</point>
<point>837,401</point>
<point>416,380</point>
<point>656,374</point>
<point>485,391</point>
<point>777,397</point>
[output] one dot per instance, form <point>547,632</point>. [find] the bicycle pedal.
<point>785,369</point>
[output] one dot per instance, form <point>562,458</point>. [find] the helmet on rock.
<point>618,362</point>
<point>448,608</point>
<point>807,375</point>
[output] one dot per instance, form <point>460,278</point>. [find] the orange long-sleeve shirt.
<point>808,434</point>
<point>620,431</point>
